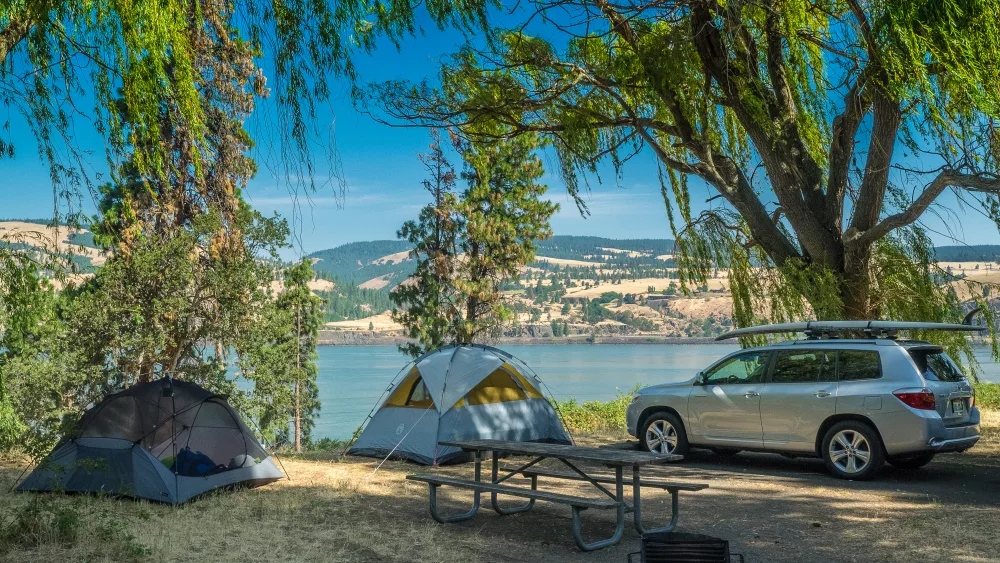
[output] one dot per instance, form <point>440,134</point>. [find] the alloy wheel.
<point>850,451</point>
<point>661,437</point>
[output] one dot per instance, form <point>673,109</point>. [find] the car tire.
<point>911,461</point>
<point>853,450</point>
<point>663,433</point>
<point>725,452</point>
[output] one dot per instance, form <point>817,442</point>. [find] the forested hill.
<point>361,261</point>
<point>357,262</point>
<point>593,248</point>
<point>975,253</point>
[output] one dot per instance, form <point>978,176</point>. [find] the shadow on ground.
<point>771,508</point>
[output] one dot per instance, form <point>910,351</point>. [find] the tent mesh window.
<point>190,430</point>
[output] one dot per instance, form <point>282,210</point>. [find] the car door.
<point>800,393</point>
<point>724,408</point>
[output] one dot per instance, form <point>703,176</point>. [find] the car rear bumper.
<point>905,432</point>
<point>953,444</point>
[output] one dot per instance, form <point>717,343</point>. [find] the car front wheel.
<point>853,450</point>
<point>663,433</point>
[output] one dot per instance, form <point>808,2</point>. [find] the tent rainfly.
<point>459,393</point>
<point>165,440</point>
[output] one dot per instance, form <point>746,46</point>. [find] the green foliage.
<point>279,356</point>
<point>429,306</point>
<point>139,59</point>
<point>53,521</point>
<point>595,416</point>
<point>765,105</point>
<point>43,520</point>
<point>493,225</point>
<point>503,215</point>
<point>988,395</point>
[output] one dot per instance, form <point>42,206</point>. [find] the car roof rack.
<point>815,330</point>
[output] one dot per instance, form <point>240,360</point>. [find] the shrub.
<point>988,395</point>
<point>595,416</point>
<point>42,521</point>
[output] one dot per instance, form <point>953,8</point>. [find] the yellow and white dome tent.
<point>466,392</point>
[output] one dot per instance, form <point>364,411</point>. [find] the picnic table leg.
<point>475,502</point>
<point>620,521</point>
<point>637,506</point>
<point>493,496</point>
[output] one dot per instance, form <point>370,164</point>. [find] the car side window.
<point>743,368</point>
<point>804,366</point>
<point>853,365</point>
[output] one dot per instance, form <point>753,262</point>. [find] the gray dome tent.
<point>166,441</point>
<point>459,393</point>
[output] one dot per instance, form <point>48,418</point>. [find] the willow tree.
<point>825,129</point>
<point>66,63</point>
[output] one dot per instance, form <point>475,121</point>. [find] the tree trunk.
<point>298,376</point>
<point>17,29</point>
<point>856,285</point>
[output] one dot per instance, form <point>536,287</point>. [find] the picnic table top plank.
<point>606,456</point>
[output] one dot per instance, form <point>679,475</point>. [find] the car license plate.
<point>958,407</point>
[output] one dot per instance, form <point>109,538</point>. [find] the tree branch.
<point>17,29</point>
<point>947,178</point>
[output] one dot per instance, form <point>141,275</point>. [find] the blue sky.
<point>383,176</point>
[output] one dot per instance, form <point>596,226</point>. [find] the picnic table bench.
<point>616,459</point>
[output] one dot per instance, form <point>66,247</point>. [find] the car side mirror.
<point>699,378</point>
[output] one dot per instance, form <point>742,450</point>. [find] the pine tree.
<point>504,214</point>
<point>425,305</point>
<point>306,316</point>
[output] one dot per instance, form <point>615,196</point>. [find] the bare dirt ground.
<point>772,509</point>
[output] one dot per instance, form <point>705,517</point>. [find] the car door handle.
<point>822,394</point>
<point>751,394</point>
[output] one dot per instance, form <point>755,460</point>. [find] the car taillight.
<point>635,398</point>
<point>972,401</point>
<point>923,400</point>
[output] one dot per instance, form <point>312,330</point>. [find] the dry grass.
<point>333,509</point>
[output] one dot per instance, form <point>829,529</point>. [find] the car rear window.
<point>936,365</point>
<point>853,365</point>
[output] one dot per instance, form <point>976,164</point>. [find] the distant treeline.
<point>976,253</point>
<point>35,221</point>
<point>587,248</point>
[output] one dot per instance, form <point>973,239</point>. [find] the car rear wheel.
<point>853,450</point>
<point>911,461</point>
<point>663,433</point>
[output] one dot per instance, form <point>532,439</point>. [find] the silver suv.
<point>856,403</point>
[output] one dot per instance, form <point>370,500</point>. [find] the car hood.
<point>668,387</point>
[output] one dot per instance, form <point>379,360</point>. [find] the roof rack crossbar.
<point>833,329</point>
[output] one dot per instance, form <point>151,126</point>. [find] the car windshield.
<point>936,365</point>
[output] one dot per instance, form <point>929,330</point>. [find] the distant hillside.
<point>358,262</point>
<point>977,253</point>
<point>593,248</point>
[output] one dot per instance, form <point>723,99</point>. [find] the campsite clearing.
<point>771,508</point>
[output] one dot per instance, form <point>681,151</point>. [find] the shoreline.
<point>371,338</point>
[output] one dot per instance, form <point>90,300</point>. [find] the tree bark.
<point>298,377</point>
<point>17,29</point>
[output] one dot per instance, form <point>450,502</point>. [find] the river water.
<point>352,378</point>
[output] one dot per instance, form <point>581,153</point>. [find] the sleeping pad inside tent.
<point>459,393</point>
<point>165,440</point>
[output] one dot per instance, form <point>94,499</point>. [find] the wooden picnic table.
<point>567,455</point>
